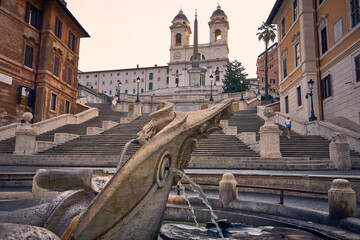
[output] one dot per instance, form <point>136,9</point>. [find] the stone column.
<point>269,136</point>
<point>339,152</point>
<point>342,200</point>
<point>227,189</point>
<point>25,137</point>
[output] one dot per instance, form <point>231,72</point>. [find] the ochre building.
<point>39,53</point>
<point>273,69</point>
<point>319,40</point>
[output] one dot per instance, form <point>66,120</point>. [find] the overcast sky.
<point>126,33</point>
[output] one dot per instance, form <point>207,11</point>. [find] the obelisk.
<point>195,72</point>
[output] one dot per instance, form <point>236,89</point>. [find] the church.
<point>183,69</point>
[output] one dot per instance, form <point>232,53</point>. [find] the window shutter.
<point>27,13</point>
<point>329,85</point>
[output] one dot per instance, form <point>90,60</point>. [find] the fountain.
<point>132,203</point>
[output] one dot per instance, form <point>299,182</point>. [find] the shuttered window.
<point>326,90</point>
<point>56,66</point>
<point>298,92</point>
<point>324,42</point>
<point>69,76</point>
<point>72,42</point>
<point>58,27</point>
<point>33,16</point>
<point>29,56</point>
<point>357,68</point>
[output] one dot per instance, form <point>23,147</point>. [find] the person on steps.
<point>288,126</point>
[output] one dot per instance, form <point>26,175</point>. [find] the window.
<point>295,10</point>
<point>127,73</point>
<point>103,82</point>
<point>142,80</point>
<point>53,101</point>
<point>201,57</point>
<point>177,81</point>
<point>95,75</point>
<point>67,107</point>
<point>167,71</point>
<point>110,74</point>
<point>126,81</point>
<point>57,66</point>
<point>284,67</point>
<point>167,80</point>
<point>271,66</point>
<point>33,16</point>
<point>283,27</point>
<point>320,2</point>
<point>134,80</point>
<point>133,91</point>
<point>151,76</point>
<point>159,79</point>
<point>126,91</point>
<point>297,55</point>
<point>58,27</point>
<point>29,55</point>
<point>69,76</point>
<point>95,83</point>
<point>142,72</point>
<point>110,82</point>
<point>217,35</point>
<point>159,71</point>
<point>298,92</point>
<point>272,81</point>
<point>110,92</point>
<point>178,39</point>
<point>263,79</point>
<point>357,68</point>
<point>142,90</point>
<point>150,86</point>
<point>103,75</point>
<point>354,12</point>
<point>87,76</point>
<point>134,73</point>
<point>287,104</point>
<point>72,42</point>
<point>217,78</point>
<point>326,90</point>
<point>324,42</point>
<point>118,74</point>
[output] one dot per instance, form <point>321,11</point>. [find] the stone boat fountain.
<point>132,203</point>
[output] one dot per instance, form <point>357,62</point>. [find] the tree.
<point>233,74</point>
<point>267,34</point>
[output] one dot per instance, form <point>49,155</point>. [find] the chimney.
<point>155,65</point>
<point>137,65</point>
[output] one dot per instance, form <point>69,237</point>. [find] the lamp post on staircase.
<point>119,90</point>
<point>311,86</point>
<point>211,96</point>
<point>137,96</point>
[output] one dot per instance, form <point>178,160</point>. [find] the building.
<point>150,78</point>
<point>39,52</point>
<point>319,40</point>
<point>212,56</point>
<point>273,70</point>
<point>253,84</point>
<point>90,95</point>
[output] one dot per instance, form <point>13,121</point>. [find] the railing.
<point>281,190</point>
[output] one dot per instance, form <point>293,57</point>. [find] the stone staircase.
<point>221,145</point>
<point>298,146</point>
<point>105,113</point>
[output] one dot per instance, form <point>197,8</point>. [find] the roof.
<point>180,15</point>
<point>218,11</point>
<point>124,69</point>
<point>274,11</point>
<point>61,3</point>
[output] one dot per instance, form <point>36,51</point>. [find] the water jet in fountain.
<point>191,208</point>
<point>127,145</point>
<point>201,195</point>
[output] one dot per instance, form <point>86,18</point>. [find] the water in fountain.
<point>191,208</point>
<point>201,195</point>
<point>121,161</point>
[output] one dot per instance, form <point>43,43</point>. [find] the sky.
<point>126,33</point>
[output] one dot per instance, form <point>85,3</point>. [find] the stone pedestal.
<point>269,137</point>
<point>342,200</point>
<point>25,137</point>
<point>339,153</point>
<point>138,107</point>
<point>227,189</point>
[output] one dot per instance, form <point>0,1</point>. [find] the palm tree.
<point>267,34</point>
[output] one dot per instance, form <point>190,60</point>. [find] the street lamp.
<point>258,79</point>
<point>137,96</point>
<point>211,96</point>
<point>311,86</point>
<point>119,90</point>
<point>241,85</point>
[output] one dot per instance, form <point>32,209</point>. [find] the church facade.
<point>212,56</point>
